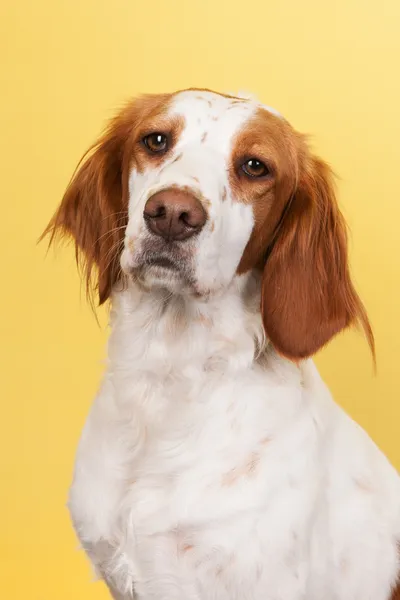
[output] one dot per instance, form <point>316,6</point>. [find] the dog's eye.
<point>156,142</point>
<point>255,168</point>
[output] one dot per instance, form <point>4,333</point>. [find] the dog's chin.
<point>163,274</point>
<point>158,276</point>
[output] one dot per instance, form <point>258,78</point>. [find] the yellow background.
<point>332,68</point>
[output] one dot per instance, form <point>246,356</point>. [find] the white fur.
<point>209,468</point>
<point>249,96</point>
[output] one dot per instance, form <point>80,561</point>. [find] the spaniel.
<point>214,464</point>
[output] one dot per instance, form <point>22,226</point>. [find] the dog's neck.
<point>167,353</point>
<point>170,335</point>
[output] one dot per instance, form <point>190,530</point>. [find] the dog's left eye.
<point>156,142</point>
<point>255,168</point>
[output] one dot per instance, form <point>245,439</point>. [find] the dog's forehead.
<point>214,117</point>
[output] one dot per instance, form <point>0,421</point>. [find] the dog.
<point>214,464</point>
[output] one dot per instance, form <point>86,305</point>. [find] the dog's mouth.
<point>163,262</point>
<point>155,265</point>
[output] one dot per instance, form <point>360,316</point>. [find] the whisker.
<point>111,251</point>
<point>122,212</point>
<point>110,232</point>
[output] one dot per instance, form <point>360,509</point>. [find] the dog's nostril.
<point>185,218</point>
<point>155,211</point>
<point>161,212</point>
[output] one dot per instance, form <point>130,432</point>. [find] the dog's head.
<point>184,191</point>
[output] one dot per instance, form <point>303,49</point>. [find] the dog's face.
<point>206,172</point>
<point>186,190</point>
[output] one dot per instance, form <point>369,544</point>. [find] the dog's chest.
<point>197,483</point>
<point>216,493</point>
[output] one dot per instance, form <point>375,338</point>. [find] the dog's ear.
<point>94,209</point>
<point>307,293</point>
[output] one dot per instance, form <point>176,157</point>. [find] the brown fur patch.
<point>396,592</point>
<point>272,141</point>
<point>299,240</point>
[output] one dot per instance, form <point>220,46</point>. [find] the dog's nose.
<point>174,214</point>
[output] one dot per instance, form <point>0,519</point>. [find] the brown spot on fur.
<point>344,566</point>
<point>234,103</point>
<point>131,245</point>
<point>196,179</point>
<point>204,320</point>
<point>187,547</point>
<point>230,478</point>
<point>178,157</point>
<point>212,226</point>
<point>364,485</point>
<point>265,441</point>
<point>252,463</point>
<point>204,137</point>
<point>246,470</point>
<point>223,567</point>
<point>224,194</point>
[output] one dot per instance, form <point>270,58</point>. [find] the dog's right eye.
<point>255,168</point>
<point>156,142</point>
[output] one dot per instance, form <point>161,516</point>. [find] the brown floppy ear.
<point>307,294</point>
<point>94,209</point>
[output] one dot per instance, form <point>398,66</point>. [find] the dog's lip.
<point>162,261</point>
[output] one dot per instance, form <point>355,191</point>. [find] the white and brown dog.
<point>214,464</point>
